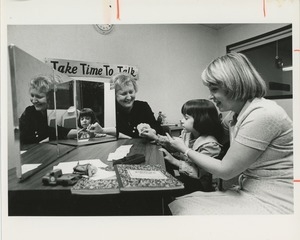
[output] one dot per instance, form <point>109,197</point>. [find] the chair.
<point>211,183</point>
<point>51,115</point>
<point>69,118</point>
<point>217,183</point>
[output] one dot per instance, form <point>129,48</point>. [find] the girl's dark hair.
<point>206,117</point>
<point>87,112</point>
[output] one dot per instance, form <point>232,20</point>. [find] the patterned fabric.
<point>266,187</point>
<point>131,183</point>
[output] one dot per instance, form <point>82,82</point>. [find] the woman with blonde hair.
<point>33,122</point>
<point>131,114</point>
<point>261,146</point>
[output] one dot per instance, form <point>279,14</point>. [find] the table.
<point>173,130</point>
<point>32,198</point>
<point>43,154</point>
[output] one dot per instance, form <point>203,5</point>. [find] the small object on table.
<point>85,169</point>
<point>51,177</point>
<point>55,177</point>
<point>134,159</point>
<point>68,179</point>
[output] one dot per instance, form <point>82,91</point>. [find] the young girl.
<point>86,121</point>
<point>202,132</point>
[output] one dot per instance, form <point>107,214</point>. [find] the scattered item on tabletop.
<point>120,152</point>
<point>145,178</point>
<point>132,177</point>
<point>133,159</point>
<point>85,169</point>
<point>87,186</point>
<point>55,177</point>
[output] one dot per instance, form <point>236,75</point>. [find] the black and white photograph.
<point>183,127</point>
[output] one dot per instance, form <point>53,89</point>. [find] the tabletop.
<point>96,151</point>
<point>31,198</point>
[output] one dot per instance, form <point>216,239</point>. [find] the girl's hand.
<point>95,128</point>
<point>169,157</point>
<point>177,143</point>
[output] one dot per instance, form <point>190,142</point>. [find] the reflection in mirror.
<point>87,107</point>
<point>65,115</point>
<point>34,144</point>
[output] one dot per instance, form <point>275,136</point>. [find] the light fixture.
<point>288,68</point>
<point>278,60</point>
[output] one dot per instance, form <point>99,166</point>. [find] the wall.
<point>238,32</point>
<point>170,57</point>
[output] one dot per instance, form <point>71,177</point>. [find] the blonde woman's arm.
<point>237,159</point>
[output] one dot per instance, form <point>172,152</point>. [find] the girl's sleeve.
<point>189,168</point>
<point>212,149</point>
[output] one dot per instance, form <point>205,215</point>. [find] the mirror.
<point>42,115</point>
<point>29,113</point>
<point>32,136</point>
<point>82,103</point>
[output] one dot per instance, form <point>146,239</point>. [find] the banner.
<point>89,69</point>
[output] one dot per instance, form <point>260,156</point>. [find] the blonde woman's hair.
<point>44,83</point>
<point>123,79</point>
<point>236,75</point>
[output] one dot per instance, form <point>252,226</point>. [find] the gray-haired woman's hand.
<point>149,133</point>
